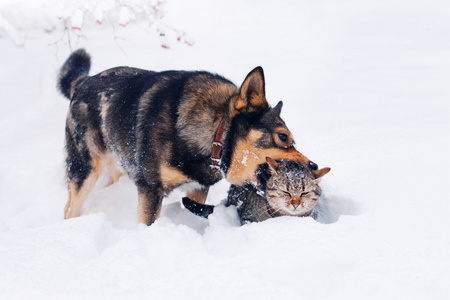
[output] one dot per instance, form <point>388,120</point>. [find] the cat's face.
<point>292,190</point>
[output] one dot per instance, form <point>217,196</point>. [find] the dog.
<point>165,129</point>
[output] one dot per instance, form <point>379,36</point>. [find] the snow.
<point>365,87</point>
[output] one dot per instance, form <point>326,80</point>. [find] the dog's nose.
<point>313,166</point>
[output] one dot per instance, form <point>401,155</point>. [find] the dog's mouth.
<point>263,174</point>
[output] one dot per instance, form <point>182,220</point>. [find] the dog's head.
<point>256,132</point>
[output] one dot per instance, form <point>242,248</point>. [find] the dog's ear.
<point>252,94</point>
<point>320,173</point>
<point>277,108</point>
<point>272,164</point>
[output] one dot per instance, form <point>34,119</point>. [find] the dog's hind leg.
<point>114,172</point>
<point>198,195</point>
<point>78,192</point>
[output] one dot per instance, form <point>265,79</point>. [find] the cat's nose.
<point>313,166</point>
<point>296,203</point>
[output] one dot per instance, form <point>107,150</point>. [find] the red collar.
<point>216,154</point>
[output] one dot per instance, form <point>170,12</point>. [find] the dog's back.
<point>147,115</point>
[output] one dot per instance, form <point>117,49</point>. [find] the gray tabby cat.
<point>286,189</point>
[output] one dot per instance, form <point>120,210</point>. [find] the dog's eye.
<point>283,137</point>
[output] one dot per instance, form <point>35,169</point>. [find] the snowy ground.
<point>366,87</point>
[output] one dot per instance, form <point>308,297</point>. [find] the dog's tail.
<point>202,210</point>
<point>75,68</point>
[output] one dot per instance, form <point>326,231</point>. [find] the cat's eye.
<point>287,194</point>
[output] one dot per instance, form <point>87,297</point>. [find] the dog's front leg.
<point>199,195</point>
<point>150,202</point>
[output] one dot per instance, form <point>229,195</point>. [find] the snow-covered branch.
<point>18,18</point>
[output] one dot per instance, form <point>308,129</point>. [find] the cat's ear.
<point>277,108</point>
<point>320,173</point>
<point>272,164</point>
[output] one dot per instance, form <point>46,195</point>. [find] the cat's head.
<point>291,188</point>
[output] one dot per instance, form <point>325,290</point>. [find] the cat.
<point>284,188</point>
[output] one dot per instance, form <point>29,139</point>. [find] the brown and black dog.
<point>164,129</point>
